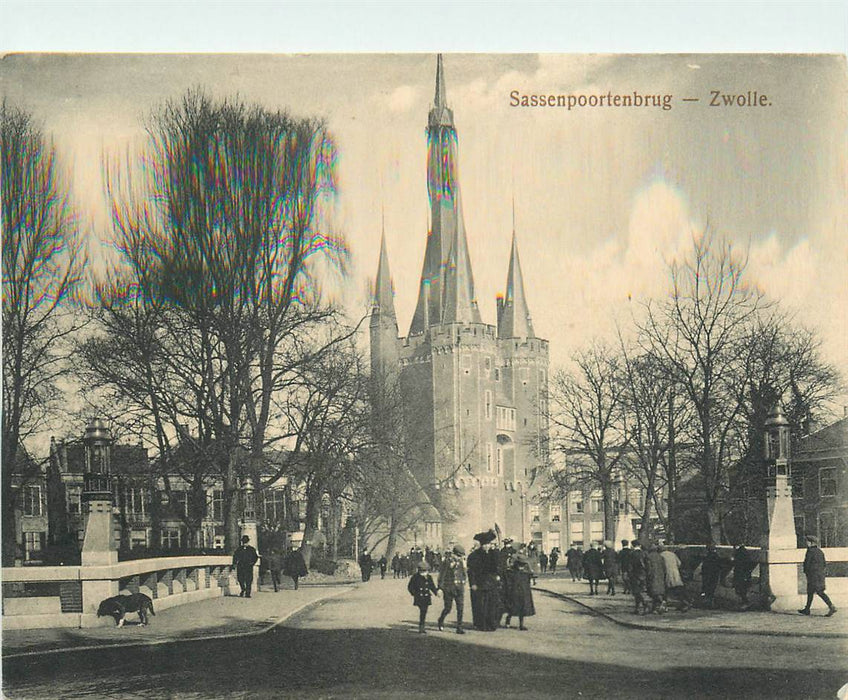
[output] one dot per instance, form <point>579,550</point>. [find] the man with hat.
<point>505,557</point>
<point>815,566</point>
<point>452,584</point>
<point>244,559</point>
<point>624,565</point>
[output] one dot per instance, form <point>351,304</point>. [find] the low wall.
<point>69,596</point>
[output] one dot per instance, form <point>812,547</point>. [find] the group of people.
<point>245,558</point>
<point>499,581</point>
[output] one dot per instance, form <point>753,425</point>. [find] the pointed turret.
<point>513,313</point>
<point>384,293</point>
<point>459,303</point>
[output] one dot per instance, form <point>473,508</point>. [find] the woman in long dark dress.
<point>486,606</point>
<point>295,566</point>
<point>519,594</point>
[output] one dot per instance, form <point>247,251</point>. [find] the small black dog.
<point>119,605</point>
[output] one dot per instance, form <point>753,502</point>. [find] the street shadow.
<point>292,662</point>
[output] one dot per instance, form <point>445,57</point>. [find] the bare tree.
<point>587,427</point>
<point>42,269</point>
<point>700,334</point>
<point>219,230</point>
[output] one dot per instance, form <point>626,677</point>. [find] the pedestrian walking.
<point>815,566</point>
<point>593,567</point>
<point>574,562</point>
<point>384,564</point>
<point>655,569</point>
<point>543,561</point>
<point>396,566</point>
<point>295,566</point>
<point>624,565</point>
<point>639,577</point>
<point>274,563</point>
<point>420,586</point>
<point>519,594</point>
<point>743,567</point>
<point>452,585</point>
<point>533,561</point>
<point>710,575</point>
<point>365,565</point>
<point>610,563</point>
<point>554,558</point>
<point>674,586</point>
<point>485,583</point>
<point>244,559</point>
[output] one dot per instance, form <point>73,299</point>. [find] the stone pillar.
<point>779,567</point>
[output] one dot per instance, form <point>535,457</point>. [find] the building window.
<point>33,504</point>
<point>487,363</point>
<point>534,513</point>
<point>489,457</point>
<point>274,505</point>
<point>497,374</point>
<point>597,505</point>
<point>170,538</point>
<point>33,545</point>
<point>556,513</point>
<point>596,530</point>
<point>827,481</point>
<point>180,503</point>
<point>635,499</point>
<point>215,508</point>
<point>827,530</point>
<point>500,461</point>
<point>578,506</point>
<point>73,494</point>
<point>135,501</point>
<point>488,404</point>
<point>138,539</point>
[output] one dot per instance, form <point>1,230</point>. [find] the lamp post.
<point>779,566</point>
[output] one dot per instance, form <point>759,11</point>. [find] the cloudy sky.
<point>603,197</point>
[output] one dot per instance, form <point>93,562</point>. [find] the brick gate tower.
<point>472,392</point>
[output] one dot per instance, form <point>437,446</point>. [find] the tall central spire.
<point>443,190</point>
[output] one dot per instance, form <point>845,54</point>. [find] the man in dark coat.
<point>543,561</point>
<point>610,559</point>
<point>743,567</point>
<point>554,558</point>
<point>519,594</point>
<point>655,569</point>
<point>295,566</point>
<point>452,584</point>
<point>505,556</point>
<point>396,566</point>
<point>815,567</point>
<point>638,577</point>
<point>574,562</point>
<point>274,563</point>
<point>710,575</point>
<point>244,558</point>
<point>384,563</point>
<point>593,566</point>
<point>624,565</point>
<point>365,565</point>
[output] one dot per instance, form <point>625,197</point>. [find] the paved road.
<point>364,644</point>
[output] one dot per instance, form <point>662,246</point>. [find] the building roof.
<point>827,443</point>
<point>514,315</point>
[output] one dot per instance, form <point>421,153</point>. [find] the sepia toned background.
<point>602,197</point>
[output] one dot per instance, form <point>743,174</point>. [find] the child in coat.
<point>419,587</point>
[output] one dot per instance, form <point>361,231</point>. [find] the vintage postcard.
<point>397,375</point>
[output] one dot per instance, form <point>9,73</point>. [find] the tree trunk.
<point>10,539</point>
<point>232,503</point>
<point>714,522</point>
<point>609,511</point>
<point>392,538</point>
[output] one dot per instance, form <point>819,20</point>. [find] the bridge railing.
<point>69,596</point>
